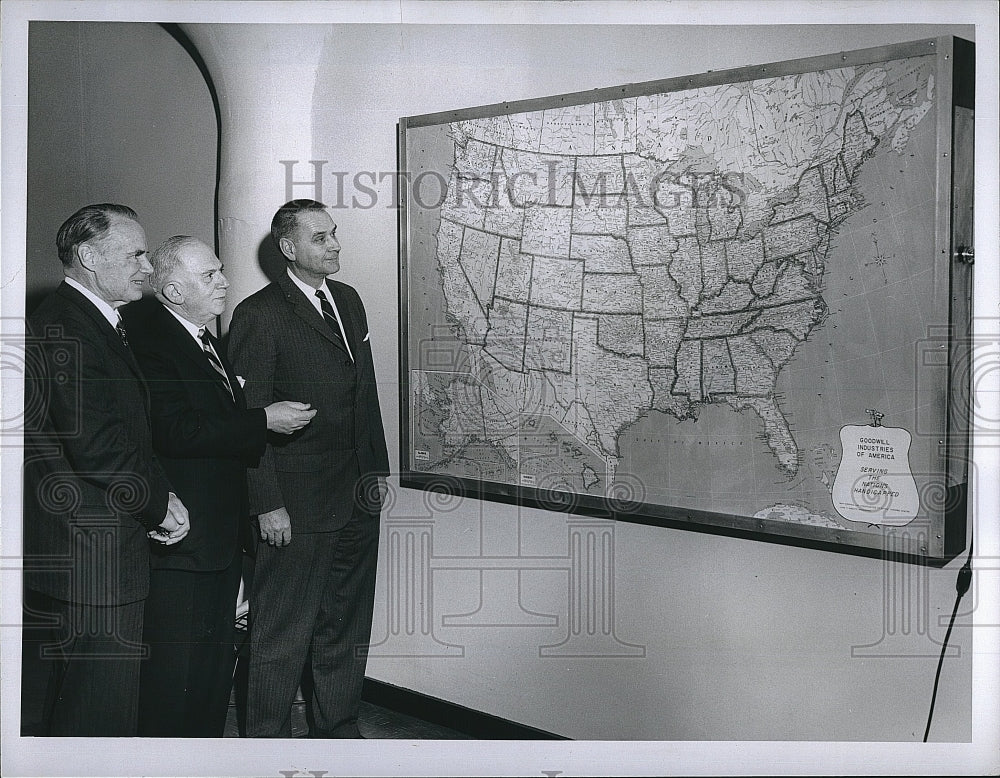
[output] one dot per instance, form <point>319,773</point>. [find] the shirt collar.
<point>107,311</point>
<point>310,294</point>
<point>307,290</point>
<point>193,329</point>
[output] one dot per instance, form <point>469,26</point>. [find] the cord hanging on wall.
<point>962,585</point>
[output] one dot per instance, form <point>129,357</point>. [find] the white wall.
<point>743,640</point>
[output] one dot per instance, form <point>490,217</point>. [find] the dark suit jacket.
<point>92,484</point>
<point>280,343</point>
<point>204,437</point>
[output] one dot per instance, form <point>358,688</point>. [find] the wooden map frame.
<point>934,538</point>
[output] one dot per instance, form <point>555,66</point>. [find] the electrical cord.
<point>962,585</point>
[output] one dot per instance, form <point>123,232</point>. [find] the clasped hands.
<point>175,524</point>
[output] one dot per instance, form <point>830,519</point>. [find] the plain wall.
<point>739,639</point>
<point>116,113</point>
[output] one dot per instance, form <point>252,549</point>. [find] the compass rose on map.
<point>879,259</point>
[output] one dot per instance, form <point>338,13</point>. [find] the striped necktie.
<point>213,358</point>
<point>331,319</point>
<point>120,329</point>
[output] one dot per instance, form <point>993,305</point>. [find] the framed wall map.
<point>735,302</point>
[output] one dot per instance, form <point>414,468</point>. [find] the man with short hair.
<point>205,437</point>
<point>94,492</point>
<point>317,494</point>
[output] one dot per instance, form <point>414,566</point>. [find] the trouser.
<point>185,684</point>
<point>93,654</point>
<point>311,609</point>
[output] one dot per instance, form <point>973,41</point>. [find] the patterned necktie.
<point>213,358</point>
<point>120,328</point>
<point>331,319</point>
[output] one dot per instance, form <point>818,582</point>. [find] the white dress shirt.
<point>107,311</point>
<point>195,332</point>
<point>192,329</point>
<point>310,293</point>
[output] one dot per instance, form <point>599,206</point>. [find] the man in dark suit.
<point>205,437</point>
<point>94,492</point>
<point>318,493</point>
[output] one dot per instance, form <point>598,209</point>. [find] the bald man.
<point>205,437</point>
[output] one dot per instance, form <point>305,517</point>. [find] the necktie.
<point>331,319</point>
<point>213,358</point>
<point>120,328</point>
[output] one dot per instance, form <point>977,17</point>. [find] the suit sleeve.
<point>253,353</point>
<point>181,429</point>
<point>99,447</point>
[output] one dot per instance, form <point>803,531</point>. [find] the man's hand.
<point>175,524</point>
<point>287,417</point>
<point>275,527</point>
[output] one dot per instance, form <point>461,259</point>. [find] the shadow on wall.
<point>270,259</point>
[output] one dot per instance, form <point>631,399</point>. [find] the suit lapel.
<point>305,310</point>
<point>103,326</point>
<point>238,396</point>
<point>347,317</point>
<point>186,345</point>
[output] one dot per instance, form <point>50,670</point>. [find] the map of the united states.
<point>656,253</point>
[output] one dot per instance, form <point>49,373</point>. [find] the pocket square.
<point>242,380</point>
<point>367,335</point>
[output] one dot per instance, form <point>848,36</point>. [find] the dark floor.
<point>382,708</point>
<point>375,723</point>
